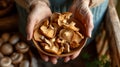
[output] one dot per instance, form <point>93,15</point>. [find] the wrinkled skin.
<point>39,13</point>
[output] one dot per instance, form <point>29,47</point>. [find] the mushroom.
<point>66,34</point>
<point>52,49</point>
<point>54,17</point>
<point>22,47</point>
<point>48,30</point>
<point>6,49</point>
<point>24,63</point>
<point>62,20</point>
<point>74,45</point>
<point>14,39</point>
<point>1,55</point>
<point>16,58</point>
<point>71,26</point>
<point>1,41</point>
<point>76,40</point>
<point>77,37</point>
<point>5,37</point>
<point>5,62</point>
<point>66,47</point>
<point>9,66</point>
<point>37,36</point>
<point>67,15</point>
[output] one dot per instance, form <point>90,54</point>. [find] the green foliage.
<point>103,62</point>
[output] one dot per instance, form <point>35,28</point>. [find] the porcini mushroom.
<point>6,49</point>
<point>16,58</point>
<point>22,47</point>
<point>14,39</point>
<point>5,62</point>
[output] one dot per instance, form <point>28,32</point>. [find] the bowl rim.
<point>82,43</point>
<point>61,55</point>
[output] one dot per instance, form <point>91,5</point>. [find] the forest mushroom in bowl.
<point>59,35</point>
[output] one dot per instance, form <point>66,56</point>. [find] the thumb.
<point>30,28</point>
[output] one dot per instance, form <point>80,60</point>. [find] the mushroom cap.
<point>48,30</point>
<point>1,55</point>
<point>66,34</point>
<point>1,42</point>
<point>5,61</point>
<point>6,49</point>
<point>16,58</point>
<point>5,37</point>
<point>22,47</point>
<point>9,66</point>
<point>37,36</point>
<point>24,63</point>
<point>14,39</point>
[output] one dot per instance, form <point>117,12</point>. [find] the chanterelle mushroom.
<point>48,30</point>
<point>71,26</point>
<point>62,20</point>
<point>37,35</point>
<point>58,34</point>
<point>77,37</point>
<point>66,34</point>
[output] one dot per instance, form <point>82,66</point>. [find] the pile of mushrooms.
<point>58,34</point>
<point>13,51</point>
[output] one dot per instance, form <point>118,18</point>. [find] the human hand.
<point>38,13</point>
<point>81,12</point>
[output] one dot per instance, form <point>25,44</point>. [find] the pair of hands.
<point>80,11</point>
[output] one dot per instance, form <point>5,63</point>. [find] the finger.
<point>89,23</point>
<point>53,60</point>
<point>44,57</point>
<point>66,59</point>
<point>30,27</point>
<point>75,55</point>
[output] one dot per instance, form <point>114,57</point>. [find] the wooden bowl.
<point>82,43</point>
